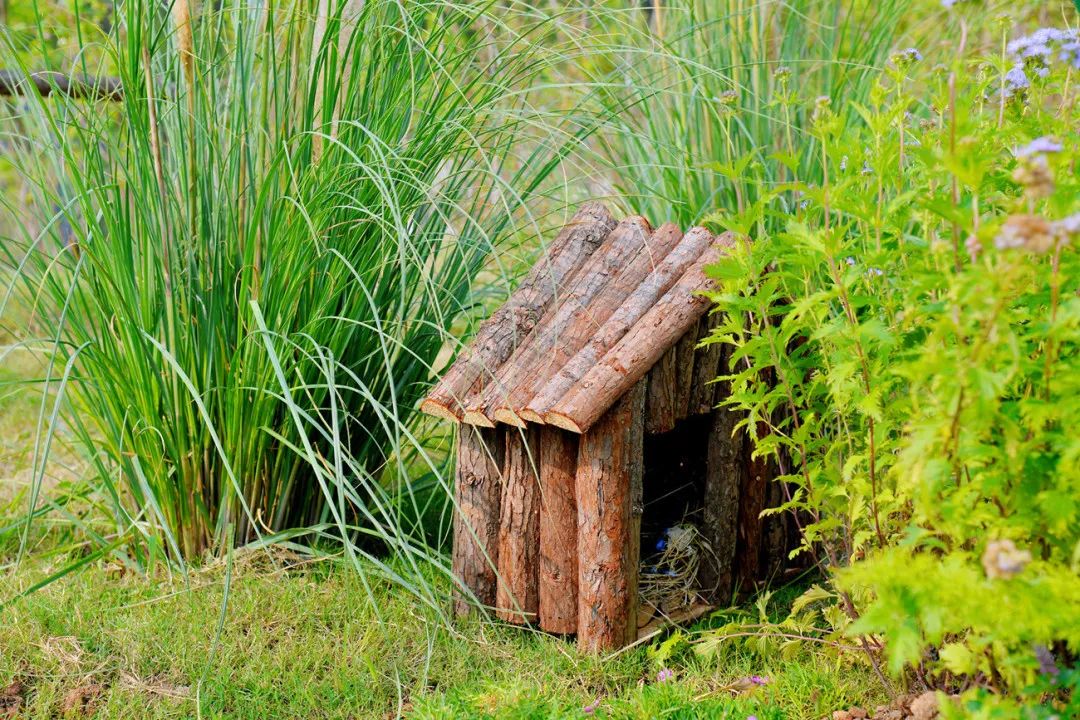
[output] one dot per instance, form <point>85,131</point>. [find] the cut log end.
<point>563,421</point>
<point>475,417</point>
<point>530,415</point>
<point>436,409</point>
<point>508,416</point>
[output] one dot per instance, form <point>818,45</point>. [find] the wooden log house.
<point>585,401</point>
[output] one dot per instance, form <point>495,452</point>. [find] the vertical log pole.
<point>609,470</point>
<point>558,531</point>
<point>724,468</point>
<point>706,368</point>
<point>476,523</point>
<point>661,396</point>
<point>517,598</point>
<point>751,503</point>
<point>684,370</point>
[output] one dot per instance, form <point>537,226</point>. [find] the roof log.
<point>634,355</point>
<point>621,245</point>
<point>500,334</point>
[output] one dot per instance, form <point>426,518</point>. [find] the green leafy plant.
<point>905,333</point>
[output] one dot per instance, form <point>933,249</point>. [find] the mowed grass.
<point>307,641</point>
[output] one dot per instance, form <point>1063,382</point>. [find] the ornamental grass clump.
<point>911,340</point>
<point>704,94</point>
<point>273,233</point>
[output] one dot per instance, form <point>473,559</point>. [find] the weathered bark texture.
<point>706,367</point>
<point>751,503</point>
<point>625,243</point>
<point>684,373</point>
<point>635,354</point>
<point>554,349</point>
<point>476,523</point>
<point>609,460</point>
<point>633,309</point>
<point>558,531</point>
<point>508,326</point>
<point>637,509</point>
<point>517,598</point>
<point>774,544</point>
<point>724,468</point>
<point>660,401</point>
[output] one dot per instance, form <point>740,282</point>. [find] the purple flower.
<point>850,261</point>
<point>1047,666</point>
<point>759,680</point>
<point>591,708</point>
<point>1016,79</point>
<point>1069,225</point>
<point>874,272</point>
<point>1039,146</point>
<point>665,675</point>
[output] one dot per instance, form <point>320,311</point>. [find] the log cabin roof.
<point>601,305</point>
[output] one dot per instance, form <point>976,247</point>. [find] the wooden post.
<point>476,523</point>
<point>558,531</point>
<point>509,325</point>
<point>774,545</point>
<point>517,598</point>
<point>751,503</point>
<point>609,473</point>
<point>724,469</point>
<point>684,373</point>
<point>661,395</point>
<point>706,368</point>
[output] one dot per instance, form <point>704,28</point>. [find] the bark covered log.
<point>478,486</point>
<point>511,323</point>
<point>724,469</point>
<point>706,368</point>
<point>775,542</point>
<point>555,351</point>
<point>692,253</point>
<point>558,531</point>
<point>609,471</point>
<point>661,395</point>
<point>751,503</point>
<point>634,355</point>
<point>684,373</point>
<point>517,598</point>
<point>586,294</point>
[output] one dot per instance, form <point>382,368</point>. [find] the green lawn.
<point>306,642</point>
